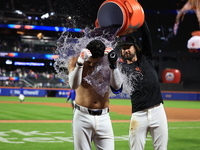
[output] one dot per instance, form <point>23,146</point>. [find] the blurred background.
<point>29,31</point>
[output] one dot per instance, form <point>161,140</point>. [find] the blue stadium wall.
<point>50,92</point>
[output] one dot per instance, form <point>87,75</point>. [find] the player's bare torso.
<point>86,95</point>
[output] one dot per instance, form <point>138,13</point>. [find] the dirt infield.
<point>173,114</point>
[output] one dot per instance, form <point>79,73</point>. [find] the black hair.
<point>97,48</point>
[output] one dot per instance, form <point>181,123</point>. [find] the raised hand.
<point>112,57</point>
<point>84,55</point>
<point>107,50</point>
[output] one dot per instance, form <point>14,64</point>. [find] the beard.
<point>128,57</point>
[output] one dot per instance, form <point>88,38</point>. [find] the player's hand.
<point>84,55</point>
<point>112,57</point>
<point>107,50</point>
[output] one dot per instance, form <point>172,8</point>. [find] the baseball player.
<point>21,95</point>
<point>72,96</point>
<point>92,74</point>
<point>148,114</point>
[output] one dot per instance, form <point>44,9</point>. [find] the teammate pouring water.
<point>148,114</point>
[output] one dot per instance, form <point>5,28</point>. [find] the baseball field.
<point>44,123</point>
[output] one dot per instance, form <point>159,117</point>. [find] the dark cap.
<point>124,40</point>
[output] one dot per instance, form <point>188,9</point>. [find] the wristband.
<point>79,64</point>
<point>113,66</point>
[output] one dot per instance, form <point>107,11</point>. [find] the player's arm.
<point>115,76</point>
<point>76,68</point>
<point>146,40</point>
<point>116,83</point>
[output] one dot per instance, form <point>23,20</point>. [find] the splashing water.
<point>68,47</point>
<point>99,79</point>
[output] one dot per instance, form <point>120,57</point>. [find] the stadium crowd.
<point>30,78</point>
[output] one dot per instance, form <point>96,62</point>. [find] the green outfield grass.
<point>58,136</point>
<point>167,103</point>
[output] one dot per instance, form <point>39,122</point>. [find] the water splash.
<point>99,79</point>
<point>68,47</point>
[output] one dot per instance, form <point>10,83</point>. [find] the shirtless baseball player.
<point>92,74</point>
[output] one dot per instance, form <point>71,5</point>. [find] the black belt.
<point>90,111</point>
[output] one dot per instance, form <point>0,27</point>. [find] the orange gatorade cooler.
<point>127,14</point>
<point>171,76</point>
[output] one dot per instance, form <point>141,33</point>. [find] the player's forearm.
<point>116,79</point>
<point>75,77</point>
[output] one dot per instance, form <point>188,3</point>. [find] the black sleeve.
<point>146,40</point>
